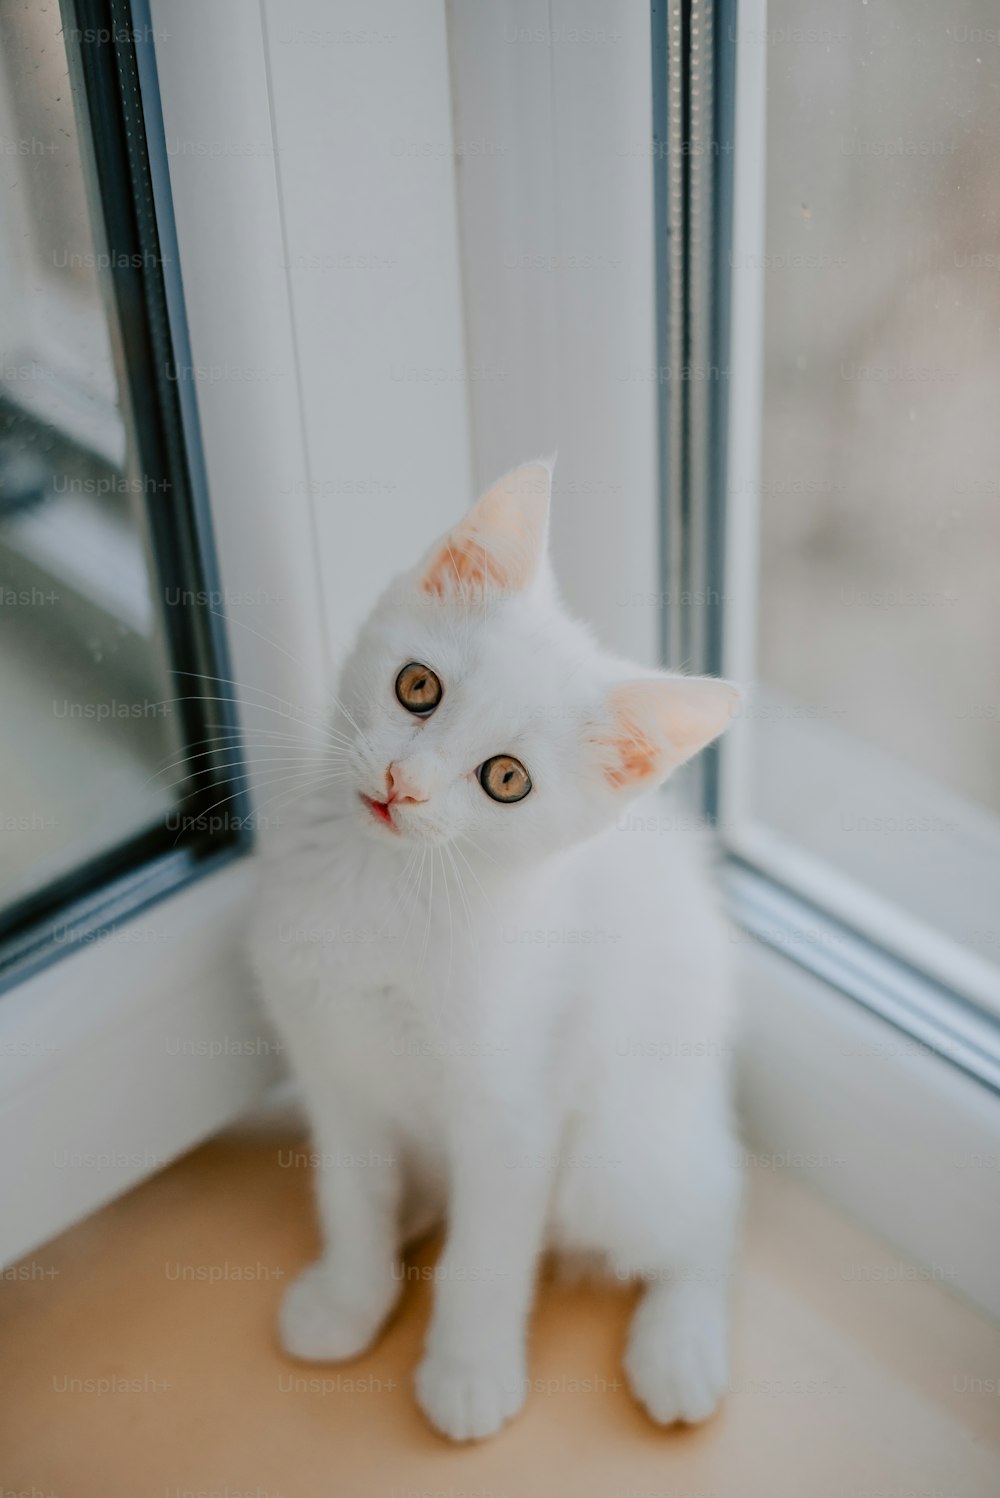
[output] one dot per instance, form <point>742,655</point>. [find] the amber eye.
<point>504,778</point>
<point>418,689</point>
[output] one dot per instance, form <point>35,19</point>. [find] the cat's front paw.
<point>677,1360</point>
<point>469,1398</point>
<point>321,1321</point>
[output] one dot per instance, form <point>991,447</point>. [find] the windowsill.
<point>854,1372</point>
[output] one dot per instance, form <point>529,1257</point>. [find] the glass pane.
<point>875,729</point>
<point>83,680</point>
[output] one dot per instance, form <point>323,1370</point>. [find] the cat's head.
<point>479,712</point>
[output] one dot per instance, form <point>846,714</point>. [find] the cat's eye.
<point>504,778</point>
<point>418,689</point>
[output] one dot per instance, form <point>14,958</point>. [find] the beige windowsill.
<point>854,1375</point>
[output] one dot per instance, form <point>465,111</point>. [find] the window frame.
<point>145,1039</point>
<point>710,526</point>
<point>126,154</point>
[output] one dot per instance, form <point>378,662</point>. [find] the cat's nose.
<point>402,785</point>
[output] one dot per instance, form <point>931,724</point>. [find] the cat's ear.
<point>500,544</point>
<point>655,724</point>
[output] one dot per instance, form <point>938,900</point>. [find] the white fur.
<point>514,1018</point>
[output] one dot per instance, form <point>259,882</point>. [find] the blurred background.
<point>880,479</point>
<point>879,482</point>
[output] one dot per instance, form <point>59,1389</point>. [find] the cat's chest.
<point>375,1043</point>
<point>320,917</point>
<point>380,1025</point>
<point>371,931</point>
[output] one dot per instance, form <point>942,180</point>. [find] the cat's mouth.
<point>380,811</point>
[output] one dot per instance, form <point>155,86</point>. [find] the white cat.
<point>505,992</point>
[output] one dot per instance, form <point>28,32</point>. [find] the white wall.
<point>362,129</point>
<point>429,352</point>
<point>553,120</point>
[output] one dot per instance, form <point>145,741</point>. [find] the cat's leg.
<point>473,1375</point>
<point>677,1358</point>
<point>337,1306</point>
<point>660,1198</point>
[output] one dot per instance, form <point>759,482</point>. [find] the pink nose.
<point>401,785</point>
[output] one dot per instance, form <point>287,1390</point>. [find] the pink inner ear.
<point>634,754</point>
<point>464,566</point>
<point>499,544</point>
<point>659,723</point>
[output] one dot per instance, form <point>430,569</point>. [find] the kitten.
<point>505,994</point>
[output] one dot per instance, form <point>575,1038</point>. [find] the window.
<point>118,731</point>
<point>845,361</point>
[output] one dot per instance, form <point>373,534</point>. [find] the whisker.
<point>244,686</point>
<point>461,887</point>
<point>230,764</point>
<point>298,792</point>
<point>281,751</point>
<point>451,931</point>
<point>416,894</point>
<point>465,837</point>
<point>400,885</point>
<point>427,925</point>
<point>326,729</point>
<point>293,740</point>
<point>257,706</point>
<point>228,619</point>
<point>466,909</point>
<point>357,728</point>
<point>294,713</point>
<point>472,871</point>
<point>225,743</point>
<point>287,776</point>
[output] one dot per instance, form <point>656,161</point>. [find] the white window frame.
<point>886,916</point>
<point>116,1058</point>
<point>857,1084</point>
